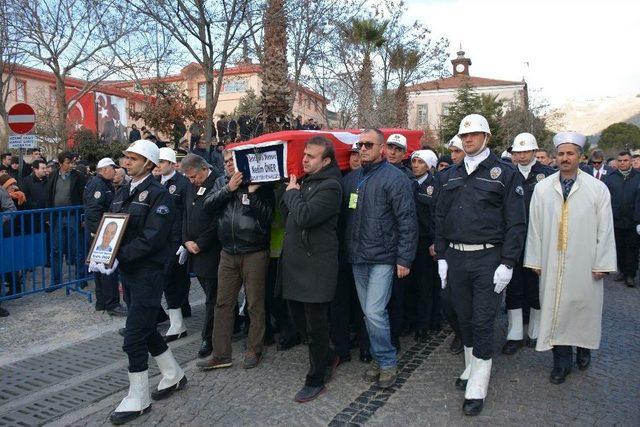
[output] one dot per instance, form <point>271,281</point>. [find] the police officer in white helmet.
<point>480,226</point>
<point>141,257</point>
<point>522,293</point>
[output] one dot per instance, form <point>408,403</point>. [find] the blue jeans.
<point>374,284</point>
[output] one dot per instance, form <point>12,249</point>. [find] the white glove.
<point>182,255</point>
<point>502,277</point>
<point>107,271</point>
<point>443,267</point>
<point>638,228</point>
<point>93,267</point>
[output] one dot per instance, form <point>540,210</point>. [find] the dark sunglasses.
<point>366,144</point>
<point>596,163</point>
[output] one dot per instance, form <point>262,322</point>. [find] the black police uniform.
<point>424,267</point>
<point>484,208</point>
<point>524,288</point>
<point>97,198</point>
<point>142,256</point>
<point>176,287</point>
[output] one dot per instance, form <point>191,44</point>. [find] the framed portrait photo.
<point>106,242</point>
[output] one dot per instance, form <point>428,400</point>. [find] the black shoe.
<point>166,392</point>
<point>186,310</point>
<point>118,418</point>
<point>511,347</point>
<point>421,335</point>
<point>365,356</point>
<point>583,358</point>
<point>3,312</point>
<point>288,342</point>
<point>472,407</point>
<point>308,393</point>
<point>558,375</point>
<point>205,349</point>
<point>122,331</point>
<point>619,277</point>
<point>461,384</point>
<point>170,338</point>
<point>456,346</point>
<point>630,282</point>
<point>117,311</point>
<point>531,342</point>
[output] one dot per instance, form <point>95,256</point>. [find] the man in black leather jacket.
<point>244,215</point>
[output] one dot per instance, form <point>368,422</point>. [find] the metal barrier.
<point>42,250</point>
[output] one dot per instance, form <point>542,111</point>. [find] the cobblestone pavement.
<point>62,388</point>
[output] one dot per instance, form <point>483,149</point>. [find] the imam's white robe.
<point>570,299</point>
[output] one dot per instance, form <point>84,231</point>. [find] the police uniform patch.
<point>172,189</point>
<point>430,190</point>
<point>162,210</point>
<point>97,195</point>
<point>519,190</point>
<point>495,172</point>
<point>540,177</point>
<point>143,196</point>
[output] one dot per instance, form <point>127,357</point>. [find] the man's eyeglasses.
<point>596,162</point>
<point>365,144</point>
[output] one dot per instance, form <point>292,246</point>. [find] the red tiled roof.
<point>458,81</point>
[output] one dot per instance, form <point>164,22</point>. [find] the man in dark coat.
<point>310,256</point>
<point>623,185</point>
<point>35,186</point>
<point>134,134</point>
<point>200,237</point>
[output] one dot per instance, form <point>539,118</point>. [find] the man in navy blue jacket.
<point>381,239</point>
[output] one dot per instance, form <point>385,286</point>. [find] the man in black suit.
<point>200,238</point>
<point>65,188</point>
<point>599,169</point>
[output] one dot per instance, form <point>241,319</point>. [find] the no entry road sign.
<point>21,118</point>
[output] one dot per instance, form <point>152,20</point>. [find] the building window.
<point>202,90</point>
<point>236,85</point>
<point>445,107</point>
<point>21,91</point>
<point>422,116</point>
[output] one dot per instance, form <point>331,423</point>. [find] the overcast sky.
<point>575,49</point>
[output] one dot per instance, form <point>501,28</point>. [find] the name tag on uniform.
<point>245,199</point>
<point>201,191</point>
<point>353,200</point>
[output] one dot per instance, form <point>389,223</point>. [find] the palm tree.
<point>404,62</point>
<point>276,93</point>
<point>368,34</point>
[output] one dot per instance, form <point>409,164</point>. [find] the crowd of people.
<point>356,259</point>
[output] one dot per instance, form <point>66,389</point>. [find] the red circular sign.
<point>21,118</point>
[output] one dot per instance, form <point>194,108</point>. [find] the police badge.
<point>430,190</point>
<point>172,189</point>
<point>519,190</point>
<point>495,172</point>
<point>143,196</point>
<point>97,195</point>
<point>540,177</point>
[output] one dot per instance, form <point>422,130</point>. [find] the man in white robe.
<point>570,244</point>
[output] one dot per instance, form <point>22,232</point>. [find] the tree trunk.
<point>209,104</point>
<point>402,103</point>
<point>61,114</point>
<point>276,94</point>
<point>365,93</point>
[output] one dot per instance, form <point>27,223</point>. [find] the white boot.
<point>534,323</point>
<point>172,375</point>
<point>177,324</point>
<point>515,331</point>
<point>138,397</point>
<point>478,379</point>
<point>461,382</point>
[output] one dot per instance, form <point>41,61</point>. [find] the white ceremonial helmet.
<point>524,142</point>
<point>105,162</point>
<point>167,154</point>
<point>455,142</point>
<point>474,123</point>
<point>427,156</point>
<point>146,149</point>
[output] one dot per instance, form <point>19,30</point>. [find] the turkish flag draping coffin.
<point>263,159</point>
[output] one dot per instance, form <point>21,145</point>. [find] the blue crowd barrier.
<point>42,250</point>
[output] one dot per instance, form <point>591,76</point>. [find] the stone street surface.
<point>81,383</point>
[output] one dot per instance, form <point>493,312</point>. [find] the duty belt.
<point>467,247</point>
